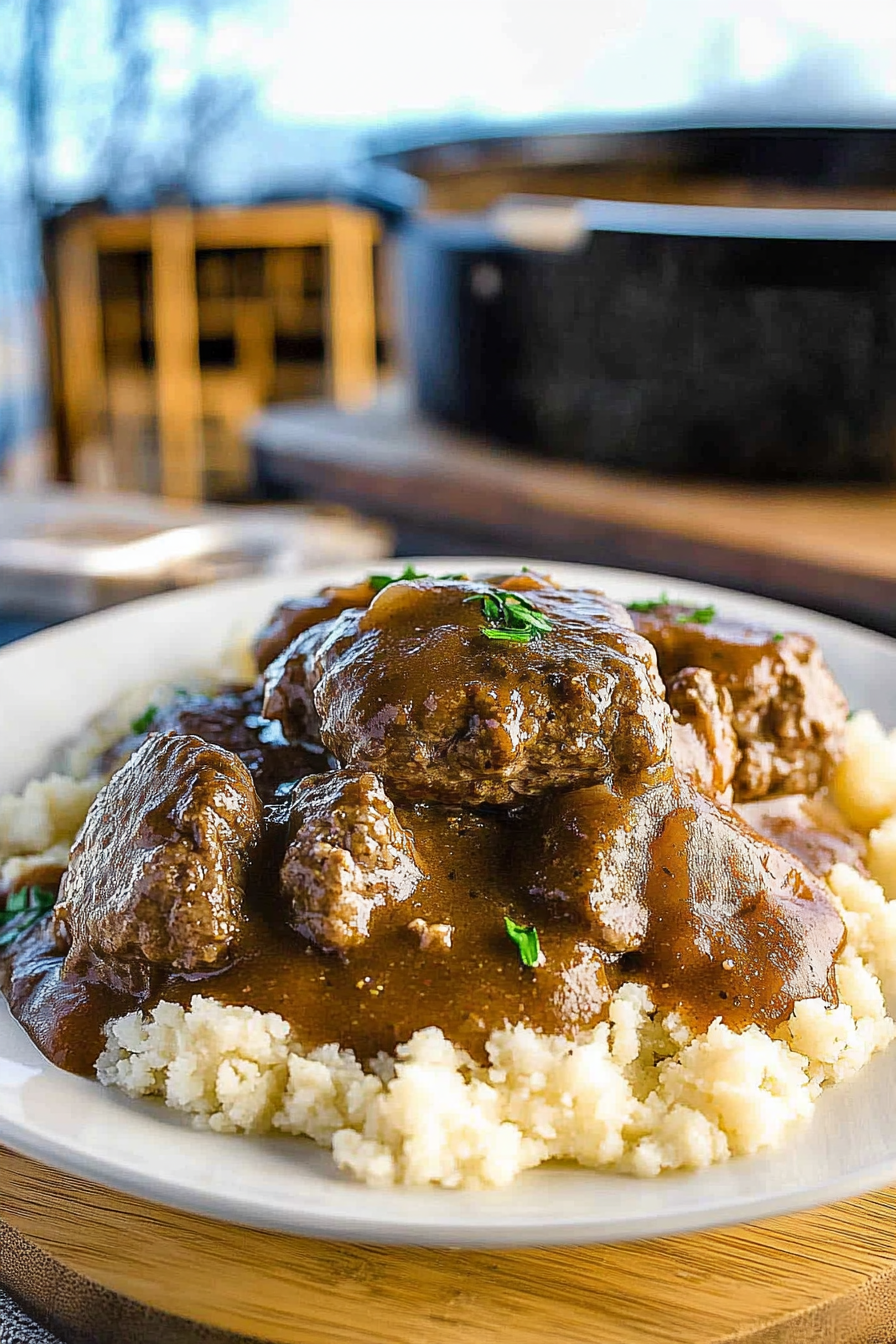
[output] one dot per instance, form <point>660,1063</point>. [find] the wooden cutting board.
<point>816,1277</point>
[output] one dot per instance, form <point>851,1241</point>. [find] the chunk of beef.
<point>347,857</point>
<point>810,828</point>
<point>704,743</point>
<point>789,712</point>
<point>158,870</point>
<point>594,863</point>
<point>298,614</point>
<point>717,920</point>
<point>415,689</point>
<point>232,720</point>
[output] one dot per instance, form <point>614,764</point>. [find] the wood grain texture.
<point>177,375</point>
<point>351,310</point>
<point>824,1276</point>
<point>78,1311</point>
<point>832,548</point>
<point>80,329</point>
<point>398,459</point>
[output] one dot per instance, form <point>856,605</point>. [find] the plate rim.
<point>569,1231</point>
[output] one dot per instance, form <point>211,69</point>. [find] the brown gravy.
<point>704,962</point>
<point>638,878</point>
<point>810,828</point>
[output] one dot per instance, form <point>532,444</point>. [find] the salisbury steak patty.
<point>789,712</point>
<point>415,689</point>
<point>348,856</point>
<point>158,870</point>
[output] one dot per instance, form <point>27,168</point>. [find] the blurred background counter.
<point>831,547</point>
<point>631,300</point>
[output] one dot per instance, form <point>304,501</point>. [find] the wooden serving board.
<point>824,1276</point>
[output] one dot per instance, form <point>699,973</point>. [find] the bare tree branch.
<point>40,16</point>
<point>131,99</point>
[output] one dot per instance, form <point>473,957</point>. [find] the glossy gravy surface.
<point>706,953</point>
<point>626,870</point>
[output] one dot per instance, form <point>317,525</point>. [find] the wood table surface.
<point>825,1277</point>
<point>829,547</point>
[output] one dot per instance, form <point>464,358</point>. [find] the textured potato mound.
<point>864,783</point>
<point>639,1093</point>
<point>45,815</point>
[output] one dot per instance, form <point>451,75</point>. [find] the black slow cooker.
<point>728,340</point>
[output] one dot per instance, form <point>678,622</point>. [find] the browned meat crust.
<point>298,614</point>
<point>413,689</point>
<point>789,712</point>
<point>348,856</point>
<point>232,720</point>
<point>715,918</point>
<point>704,743</point>
<point>158,871</point>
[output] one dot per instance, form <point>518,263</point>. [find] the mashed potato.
<point>37,826</point>
<point>864,784</point>
<point>639,1093</point>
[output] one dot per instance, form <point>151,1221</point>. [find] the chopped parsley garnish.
<point>661,601</point>
<point>144,722</point>
<point>380,581</point>
<point>777,638</point>
<point>525,936</point>
<point>508,636</point>
<point>24,908</point>
<point>510,617</point>
<point>699,616</point>
<point>694,615</point>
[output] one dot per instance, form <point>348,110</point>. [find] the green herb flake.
<point>508,636</point>
<point>776,639</point>
<point>16,902</point>
<point>511,617</point>
<point>525,937</point>
<point>698,616</point>
<point>144,722</point>
<point>24,908</point>
<point>490,608</point>
<point>661,601</point>
<point>380,581</point>
<point>526,613</point>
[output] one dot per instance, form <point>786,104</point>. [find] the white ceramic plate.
<point>51,684</point>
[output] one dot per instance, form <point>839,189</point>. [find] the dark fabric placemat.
<point>17,1328</point>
